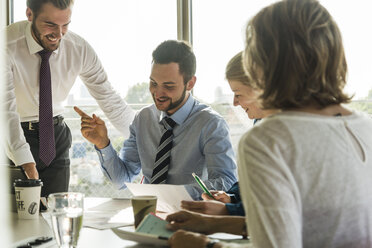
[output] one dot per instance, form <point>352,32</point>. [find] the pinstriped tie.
<point>47,149</point>
<point>163,156</point>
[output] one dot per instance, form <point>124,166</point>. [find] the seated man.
<point>172,138</point>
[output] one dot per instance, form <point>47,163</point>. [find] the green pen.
<point>202,185</point>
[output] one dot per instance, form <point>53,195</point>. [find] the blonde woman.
<point>229,203</point>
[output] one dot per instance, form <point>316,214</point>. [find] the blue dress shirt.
<point>236,205</point>
<point>201,144</point>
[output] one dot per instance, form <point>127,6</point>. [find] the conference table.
<point>24,231</point>
<point>100,214</point>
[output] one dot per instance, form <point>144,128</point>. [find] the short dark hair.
<point>180,52</point>
<point>294,53</point>
<point>36,5</point>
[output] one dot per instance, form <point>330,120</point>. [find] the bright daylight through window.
<point>124,34</point>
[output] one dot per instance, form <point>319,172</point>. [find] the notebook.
<point>154,225</point>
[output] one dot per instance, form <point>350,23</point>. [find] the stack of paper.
<point>169,196</point>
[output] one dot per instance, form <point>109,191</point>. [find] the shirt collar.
<point>181,115</point>
<point>33,46</point>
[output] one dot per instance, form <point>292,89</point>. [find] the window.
<point>124,34</point>
<point>354,20</point>
<point>219,28</point>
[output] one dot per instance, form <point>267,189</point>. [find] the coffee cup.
<point>143,205</point>
<point>27,196</point>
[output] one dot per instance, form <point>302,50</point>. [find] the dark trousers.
<point>56,176</point>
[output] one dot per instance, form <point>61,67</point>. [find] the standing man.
<point>172,138</point>
<point>43,61</point>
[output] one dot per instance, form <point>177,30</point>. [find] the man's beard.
<point>173,105</point>
<point>37,35</point>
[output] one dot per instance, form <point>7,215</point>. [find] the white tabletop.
<point>27,230</point>
<point>24,230</point>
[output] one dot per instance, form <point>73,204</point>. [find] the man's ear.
<point>191,83</point>
<point>29,14</point>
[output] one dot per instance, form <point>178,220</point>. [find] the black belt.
<point>32,125</point>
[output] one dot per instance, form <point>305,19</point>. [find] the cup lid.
<point>27,183</point>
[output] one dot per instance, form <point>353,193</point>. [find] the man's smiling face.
<point>167,87</point>
<point>50,25</point>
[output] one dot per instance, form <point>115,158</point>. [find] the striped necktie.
<point>47,149</point>
<point>163,156</point>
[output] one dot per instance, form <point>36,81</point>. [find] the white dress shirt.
<point>74,57</point>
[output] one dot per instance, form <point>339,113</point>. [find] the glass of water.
<point>66,210</point>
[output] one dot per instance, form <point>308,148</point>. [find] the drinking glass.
<point>66,210</point>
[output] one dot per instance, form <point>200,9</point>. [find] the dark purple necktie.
<point>47,149</point>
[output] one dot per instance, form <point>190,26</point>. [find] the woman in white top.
<point>305,173</point>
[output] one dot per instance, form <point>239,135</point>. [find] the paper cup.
<point>27,195</point>
<point>143,205</point>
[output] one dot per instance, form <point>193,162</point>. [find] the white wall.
<point>4,189</point>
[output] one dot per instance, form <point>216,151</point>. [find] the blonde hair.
<point>294,53</point>
<point>235,70</point>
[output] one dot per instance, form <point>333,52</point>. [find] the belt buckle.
<point>30,126</point>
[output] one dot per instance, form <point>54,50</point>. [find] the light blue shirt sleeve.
<point>117,169</point>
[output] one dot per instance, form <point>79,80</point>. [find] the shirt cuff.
<point>233,198</point>
<point>22,156</point>
<point>106,153</point>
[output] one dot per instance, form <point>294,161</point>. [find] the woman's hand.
<point>221,196</point>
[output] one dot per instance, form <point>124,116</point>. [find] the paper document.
<point>154,225</point>
<point>128,233</point>
<point>107,213</point>
<point>169,195</point>
<point>105,220</point>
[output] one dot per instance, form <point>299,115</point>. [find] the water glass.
<point>66,210</point>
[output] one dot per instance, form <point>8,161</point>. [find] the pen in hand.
<point>202,185</point>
